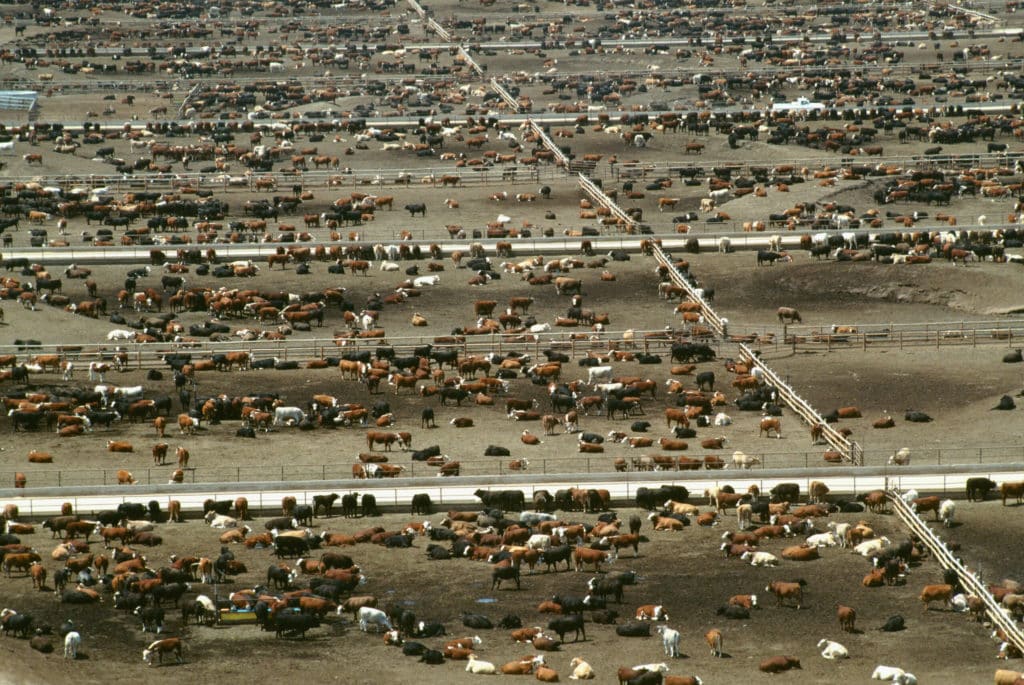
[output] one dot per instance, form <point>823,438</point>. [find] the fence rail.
<point>711,317</point>
<point>991,457</point>
<point>996,612</point>
<point>266,496</point>
<point>849,450</point>
<point>149,355</point>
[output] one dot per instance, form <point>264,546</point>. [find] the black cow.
<point>287,546</point>
<point>426,453</point>
<point>131,510</point>
<point>552,555</point>
<point>508,500</point>
<point>427,418</point>
<point>350,505</point>
<point>280,577</point>
<point>733,612</point>
<point>398,542</point>
<point>421,504</point>
<point>917,416</point>
<point>640,426</point>
<point>325,502</point>
<point>894,624</point>
<point>417,208</point>
<point>563,624</point>
<point>477,622</point>
<point>17,623</point>
<point>633,629</point>
<point>304,514</point>
<point>290,624</point>
<point>370,506</point>
<point>413,648</point>
<point>706,378</point>
<point>152,618</point>
<point>438,553</point>
<point>499,574</point>
<point>432,657</point>
<point>785,492</point>
<point>650,498</point>
<point>496,451</point>
<point>978,488</point>
<point>1006,403</point>
<point>457,394</point>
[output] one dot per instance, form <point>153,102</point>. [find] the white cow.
<point>220,521</point>
<point>828,539</point>
<point>423,281</point>
<point>72,641</point>
<point>121,334</point>
<point>901,457</point>
<point>723,419</point>
<point>581,670</point>
<point>947,510</point>
<point>869,548</point>
<point>288,416</point>
<point>480,667</point>
<point>389,266</point>
<point>743,460</point>
<point>840,530</point>
<point>894,674</point>
<point>539,541</point>
<point>832,650</point>
<point>760,558</point>
<point>368,616</point>
<point>599,373</point>
<point>724,244</point>
<point>669,640</point>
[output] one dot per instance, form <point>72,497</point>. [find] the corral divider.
<point>470,62</point>
<point>599,196</point>
<point>711,317</point>
<point>996,613</point>
<point>850,450</point>
<point>561,159</point>
<point>505,95</point>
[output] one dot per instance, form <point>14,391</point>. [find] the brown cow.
<point>847,618</point>
<point>160,453</point>
<point>778,664</point>
<point>119,446</point>
<point>936,593</point>
<point>784,591</point>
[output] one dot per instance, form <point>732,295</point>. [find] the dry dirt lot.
<point>956,384</point>
<point>683,571</point>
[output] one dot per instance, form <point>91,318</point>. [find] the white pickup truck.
<point>800,103</point>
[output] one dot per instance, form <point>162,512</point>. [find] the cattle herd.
<point>564,572</point>
<point>198,194</point>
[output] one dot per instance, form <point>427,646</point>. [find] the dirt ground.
<point>683,571</point>
<point>957,385</point>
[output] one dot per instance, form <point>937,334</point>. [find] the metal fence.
<point>991,457</point>
<point>265,496</point>
<point>150,355</point>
